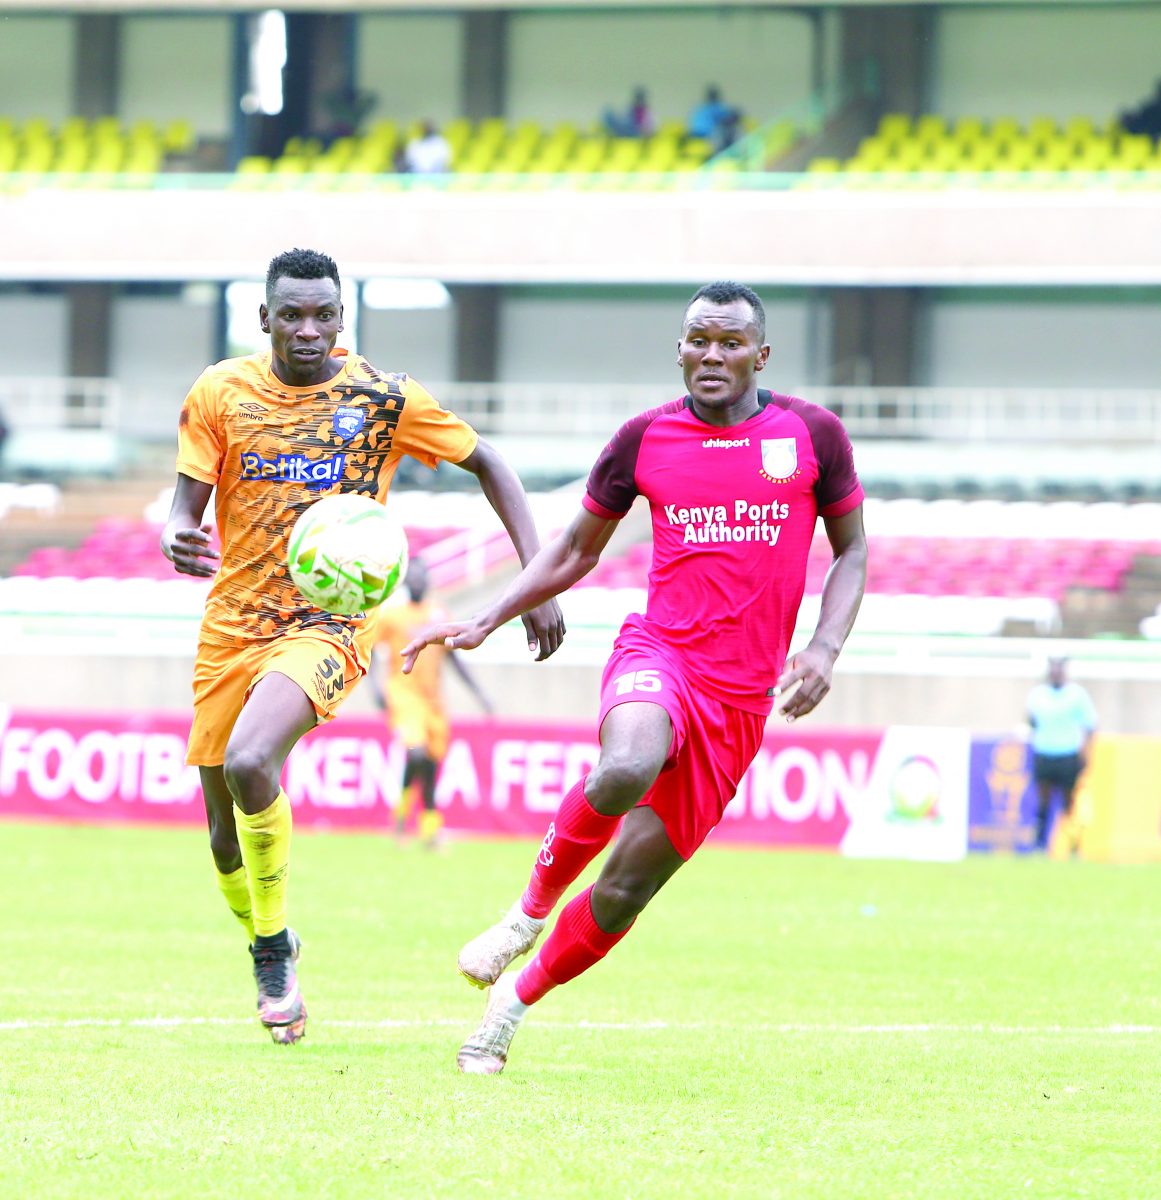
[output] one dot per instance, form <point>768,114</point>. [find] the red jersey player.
<point>736,478</point>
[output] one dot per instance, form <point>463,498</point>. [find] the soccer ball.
<point>346,554</point>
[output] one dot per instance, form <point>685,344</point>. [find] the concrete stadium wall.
<point>40,350</point>
<point>413,62</point>
<point>179,67</point>
<point>1059,61</point>
<point>982,703</point>
<point>557,335</point>
<point>1040,339</point>
<point>36,67</point>
<point>760,59</point>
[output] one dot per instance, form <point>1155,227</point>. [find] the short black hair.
<point>300,264</point>
<point>726,291</point>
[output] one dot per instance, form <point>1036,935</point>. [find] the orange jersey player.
<point>414,703</point>
<point>269,434</point>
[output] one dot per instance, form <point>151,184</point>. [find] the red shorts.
<point>713,742</point>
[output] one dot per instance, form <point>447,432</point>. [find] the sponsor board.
<point>902,792</point>
<point>1001,796</point>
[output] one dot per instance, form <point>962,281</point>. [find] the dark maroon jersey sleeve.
<point>612,484</point>
<point>837,489</point>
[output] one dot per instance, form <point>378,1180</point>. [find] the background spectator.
<point>714,120</point>
<point>1146,117</point>
<point>636,121</point>
<point>426,154</point>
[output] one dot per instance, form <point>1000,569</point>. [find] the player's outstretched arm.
<point>812,667</point>
<point>185,540</point>
<point>568,557</point>
<point>544,623</point>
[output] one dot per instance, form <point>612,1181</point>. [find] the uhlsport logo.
<point>779,459</point>
<point>314,474</point>
<point>348,421</point>
<point>724,443</point>
<point>544,858</point>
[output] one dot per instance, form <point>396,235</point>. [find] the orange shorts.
<point>224,677</point>
<point>420,725</point>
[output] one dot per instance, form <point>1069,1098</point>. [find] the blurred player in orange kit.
<point>414,702</point>
<point>267,435</point>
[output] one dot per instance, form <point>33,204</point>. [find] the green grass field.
<point>777,1025</point>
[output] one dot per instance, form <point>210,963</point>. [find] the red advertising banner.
<point>864,792</point>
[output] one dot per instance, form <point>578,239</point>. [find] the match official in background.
<point>736,478</point>
<point>268,434</point>
<point>413,703</point>
<point>1063,720</point>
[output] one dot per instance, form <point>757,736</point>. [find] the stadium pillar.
<point>484,82</point>
<point>897,39</point>
<point>90,309</point>
<point>477,333</point>
<point>873,337</point>
<point>97,65</point>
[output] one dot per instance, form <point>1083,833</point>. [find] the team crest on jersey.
<point>779,459</point>
<point>348,421</point>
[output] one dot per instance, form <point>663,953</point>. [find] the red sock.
<point>574,945</point>
<point>577,834</point>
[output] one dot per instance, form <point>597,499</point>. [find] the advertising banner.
<point>1002,796</point>
<point>898,793</point>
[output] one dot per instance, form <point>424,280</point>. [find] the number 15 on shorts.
<point>637,681</point>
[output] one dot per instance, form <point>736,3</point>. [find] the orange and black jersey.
<point>270,450</point>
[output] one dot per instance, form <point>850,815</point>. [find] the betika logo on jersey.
<point>779,459</point>
<point>313,473</point>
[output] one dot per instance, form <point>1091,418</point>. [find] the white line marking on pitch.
<point>1115,1030</point>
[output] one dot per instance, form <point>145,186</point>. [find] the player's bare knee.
<point>616,902</point>
<point>251,779</point>
<point>616,784</point>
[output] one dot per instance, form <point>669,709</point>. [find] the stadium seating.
<point>101,146</point>
<point>493,150</point>
<point>1013,562</point>
<point>904,151</point>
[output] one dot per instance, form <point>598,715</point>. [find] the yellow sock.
<point>404,806</point>
<point>430,823</point>
<point>265,843</point>
<point>236,890</point>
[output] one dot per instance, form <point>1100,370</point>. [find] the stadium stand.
<point>97,146</point>
<point>974,566</point>
<point>932,145</point>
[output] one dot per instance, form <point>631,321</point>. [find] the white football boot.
<point>486,1051</point>
<point>485,957</point>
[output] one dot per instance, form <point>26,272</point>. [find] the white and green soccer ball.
<point>346,554</point>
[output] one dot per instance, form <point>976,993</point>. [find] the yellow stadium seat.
<point>930,126</point>
<point>1042,129</point>
<point>1079,128</point>
<point>178,136</point>
<point>894,126</point>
